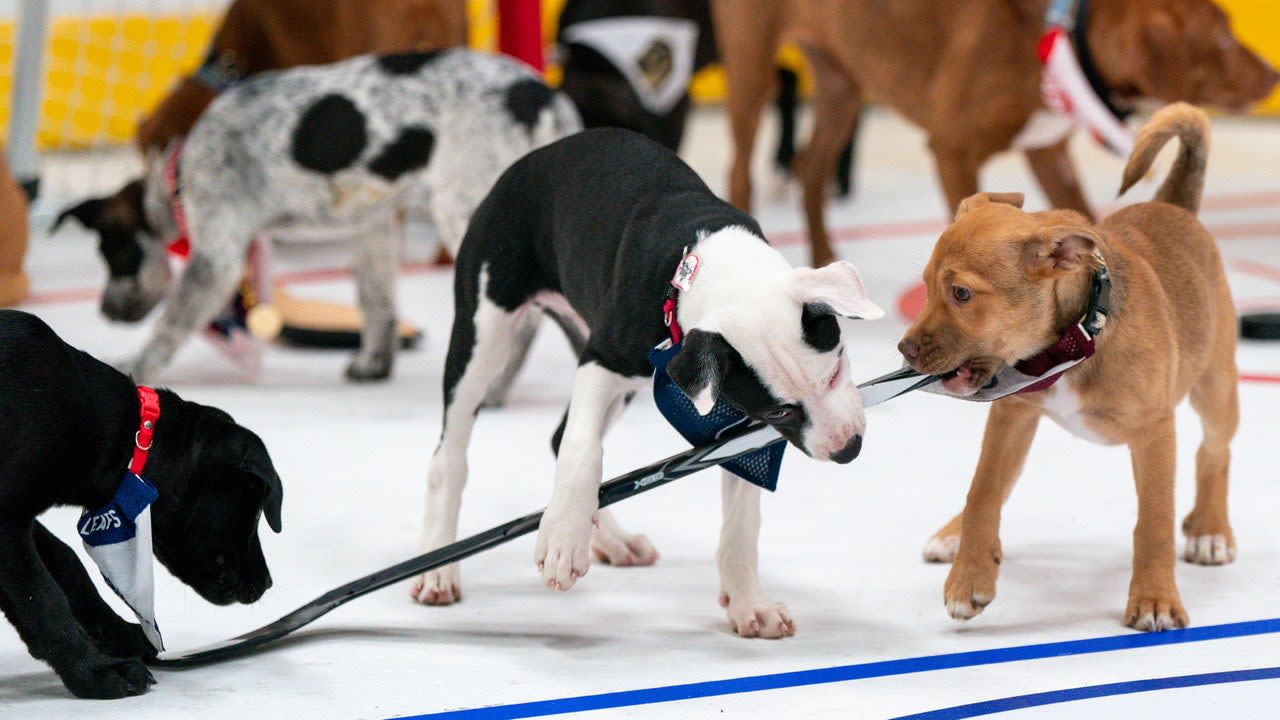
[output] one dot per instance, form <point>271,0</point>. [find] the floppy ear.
<point>973,202</point>
<point>836,286</point>
<point>87,212</point>
<point>1060,250</point>
<point>700,366</point>
<point>258,465</point>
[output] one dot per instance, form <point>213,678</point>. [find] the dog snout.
<point>849,451</point>
<point>910,349</point>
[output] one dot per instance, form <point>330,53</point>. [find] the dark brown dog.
<point>260,35</point>
<point>966,72</point>
<point>1004,285</point>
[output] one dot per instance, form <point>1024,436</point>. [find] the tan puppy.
<point>1003,285</point>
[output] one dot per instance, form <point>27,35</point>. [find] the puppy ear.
<point>973,202</point>
<point>258,465</point>
<point>700,366</point>
<point>1061,250</point>
<point>836,286</point>
<point>88,213</point>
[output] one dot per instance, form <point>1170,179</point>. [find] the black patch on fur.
<point>821,331</point>
<point>330,135</point>
<point>406,63</point>
<point>526,99</point>
<point>410,151</point>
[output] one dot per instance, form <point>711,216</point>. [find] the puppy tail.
<point>1185,181</point>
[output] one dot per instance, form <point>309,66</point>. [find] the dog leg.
<point>482,341</point>
<point>496,395</point>
<point>958,174</point>
<point>377,256</point>
<point>564,535</point>
<point>837,100</point>
<point>1215,397</point>
<point>971,584</point>
<point>206,284</point>
<point>1154,604</point>
<point>751,612</point>
<point>36,606</point>
<point>747,34</point>
<point>610,543</point>
<point>1056,175</point>
<point>109,632</point>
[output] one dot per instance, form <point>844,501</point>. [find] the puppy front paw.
<point>123,640</point>
<point>371,368</point>
<point>104,678</point>
<point>438,587</point>
<point>1155,611</point>
<point>1208,543</point>
<point>562,550</point>
<point>971,584</point>
<point>756,616</point>
<point>621,549</point>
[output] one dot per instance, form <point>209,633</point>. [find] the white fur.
<point>1062,405</point>
<point>763,325</point>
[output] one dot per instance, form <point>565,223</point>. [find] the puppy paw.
<point>618,548</point>
<point>1155,611</point>
<point>123,640</point>
<point>971,584</point>
<point>438,587</point>
<point>941,548</point>
<point>562,550</point>
<point>1209,549</point>
<point>104,678</point>
<point>756,616</point>
<point>1208,543</point>
<point>369,369</point>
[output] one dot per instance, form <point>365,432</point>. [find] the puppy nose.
<point>910,349</point>
<point>849,451</point>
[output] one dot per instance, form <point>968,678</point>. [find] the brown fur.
<point>14,232</point>
<point>966,72</point>
<point>263,35</point>
<point>1171,332</point>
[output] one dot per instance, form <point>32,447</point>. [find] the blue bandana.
<point>758,468</point>
<point>118,538</point>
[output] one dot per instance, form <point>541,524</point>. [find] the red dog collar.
<point>150,413</point>
<point>681,280</point>
<point>173,190</point>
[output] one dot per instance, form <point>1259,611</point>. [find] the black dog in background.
<point>66,437</point>
<point>605,98</point>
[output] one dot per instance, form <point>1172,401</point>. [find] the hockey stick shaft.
<point>754,437</point>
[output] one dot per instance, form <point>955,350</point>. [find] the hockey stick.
<point>754,437</point>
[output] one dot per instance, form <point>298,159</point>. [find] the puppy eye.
<point>778,414</point>
<point>961,294</point>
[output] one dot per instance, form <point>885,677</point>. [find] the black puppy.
<point>67,433</point>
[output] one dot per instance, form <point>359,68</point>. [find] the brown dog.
<point>14,231</point>
<point>1003,285</point>
<point>967,73</point>
<point>260,35</point>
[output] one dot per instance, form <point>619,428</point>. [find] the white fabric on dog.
<point>625,41</point>
<point>118,538</point>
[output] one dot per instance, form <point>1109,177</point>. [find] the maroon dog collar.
<point>680,281</point>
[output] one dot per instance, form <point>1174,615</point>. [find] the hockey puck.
<point>1260,326</point>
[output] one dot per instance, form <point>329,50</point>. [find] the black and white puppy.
<point>67,432</point>
<point>335,147</point>
<point>591,229</point>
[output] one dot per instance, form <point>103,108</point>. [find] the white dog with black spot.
<point>592,229</point>
<point>339,147</point>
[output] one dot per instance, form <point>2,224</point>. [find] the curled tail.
<point>1185,181</point>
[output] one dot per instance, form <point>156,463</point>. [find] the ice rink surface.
<point>840,544</point>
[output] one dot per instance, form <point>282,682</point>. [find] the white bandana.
<point>118,538</point>
<point>654,54</point>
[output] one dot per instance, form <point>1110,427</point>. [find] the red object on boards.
<point>520,30</point>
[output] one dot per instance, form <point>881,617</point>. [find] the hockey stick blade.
<point>753,437</point>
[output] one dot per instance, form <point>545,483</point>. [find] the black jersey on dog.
<point>66,437</point>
